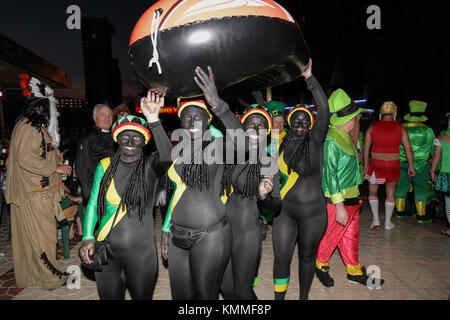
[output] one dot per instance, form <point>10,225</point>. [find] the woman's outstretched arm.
<point>320,128</point>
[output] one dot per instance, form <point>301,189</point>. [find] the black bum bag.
<point>188,238</point>
<point>102,253</point>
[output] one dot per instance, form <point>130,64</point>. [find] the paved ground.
<point>413,259</point>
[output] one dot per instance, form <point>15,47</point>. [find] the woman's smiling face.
<point>300,124</point>
<point>195,120</point>
<point>257,123</point>
<point>130,143</point>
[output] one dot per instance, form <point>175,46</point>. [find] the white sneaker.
<point>374,224</point>
<point>389,226</point>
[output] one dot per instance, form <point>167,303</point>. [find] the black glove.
<point>45,182</point>
<point>206,83</point>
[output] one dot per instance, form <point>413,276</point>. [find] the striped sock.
<point>281,285</point>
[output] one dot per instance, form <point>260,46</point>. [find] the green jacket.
<point>421,137</point>
<point>112,203</point>
<point>341,175</point>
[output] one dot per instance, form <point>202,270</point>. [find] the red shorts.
<point>381,172</point>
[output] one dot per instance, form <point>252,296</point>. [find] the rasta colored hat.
<point>195,103</point>
<point>131,122</point>
<point>276,108</point>
<point>416,111</point>
<point>257,109</point>
<point>343,108</point>
<point>304,108</point>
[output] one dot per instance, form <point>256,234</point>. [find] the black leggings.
<point>305,223</point>
<point>135,263</point>
<point>197,273</point>
<point>239,275</point>
<point>136,270</point>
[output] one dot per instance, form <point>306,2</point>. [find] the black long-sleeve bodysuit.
<point>303,216</point>
<point>197,273</point>
<point>135,262</point>
<point>243,213</point>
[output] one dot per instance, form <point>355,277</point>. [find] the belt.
<point>222,223</point>
<point>386,156</point>
<point>347,202</point>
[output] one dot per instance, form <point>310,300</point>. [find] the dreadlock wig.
<point>136,192</point>
<point>299,160</point>
<point>135,195</point>
<point>232,172</point>
<point>195,174</point>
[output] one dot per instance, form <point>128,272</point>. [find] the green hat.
<point>416,111</point>
<point>343,108</point>
<point>276,108</point>
<point>447,115</point>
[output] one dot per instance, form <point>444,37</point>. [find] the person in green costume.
<point>421,137</point>
<point>277,112</point>
<point>442,179</point>
<point>340,180</point>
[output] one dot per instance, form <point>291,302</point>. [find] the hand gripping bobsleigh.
<point>251,44</point>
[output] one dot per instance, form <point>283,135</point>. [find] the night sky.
<point>407,57</point>
<point>40,26</point>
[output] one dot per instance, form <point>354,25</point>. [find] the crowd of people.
<point>219,211</point>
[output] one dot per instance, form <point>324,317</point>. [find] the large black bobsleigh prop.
<point>249,44</point>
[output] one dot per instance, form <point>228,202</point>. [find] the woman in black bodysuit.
<point>200,234</point>
<point>303,216</point>
<point>243,185</point>
<point>123,192</point>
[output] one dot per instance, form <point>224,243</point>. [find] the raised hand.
<point>151,105</point>
<point>206,83</point>
<point>307,70</point>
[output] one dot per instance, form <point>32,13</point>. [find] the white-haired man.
<point>95,145</point>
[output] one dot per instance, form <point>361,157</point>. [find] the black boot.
<point>361,279</point>
<point>280,295</point>
<point>402,215</point>
<point>324,276</point>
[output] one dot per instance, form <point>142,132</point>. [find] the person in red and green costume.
<point>122,200</point>
<point>340,180</point>
<point>421,137</point>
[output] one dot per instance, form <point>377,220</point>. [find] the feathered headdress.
<point>33,87</point>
